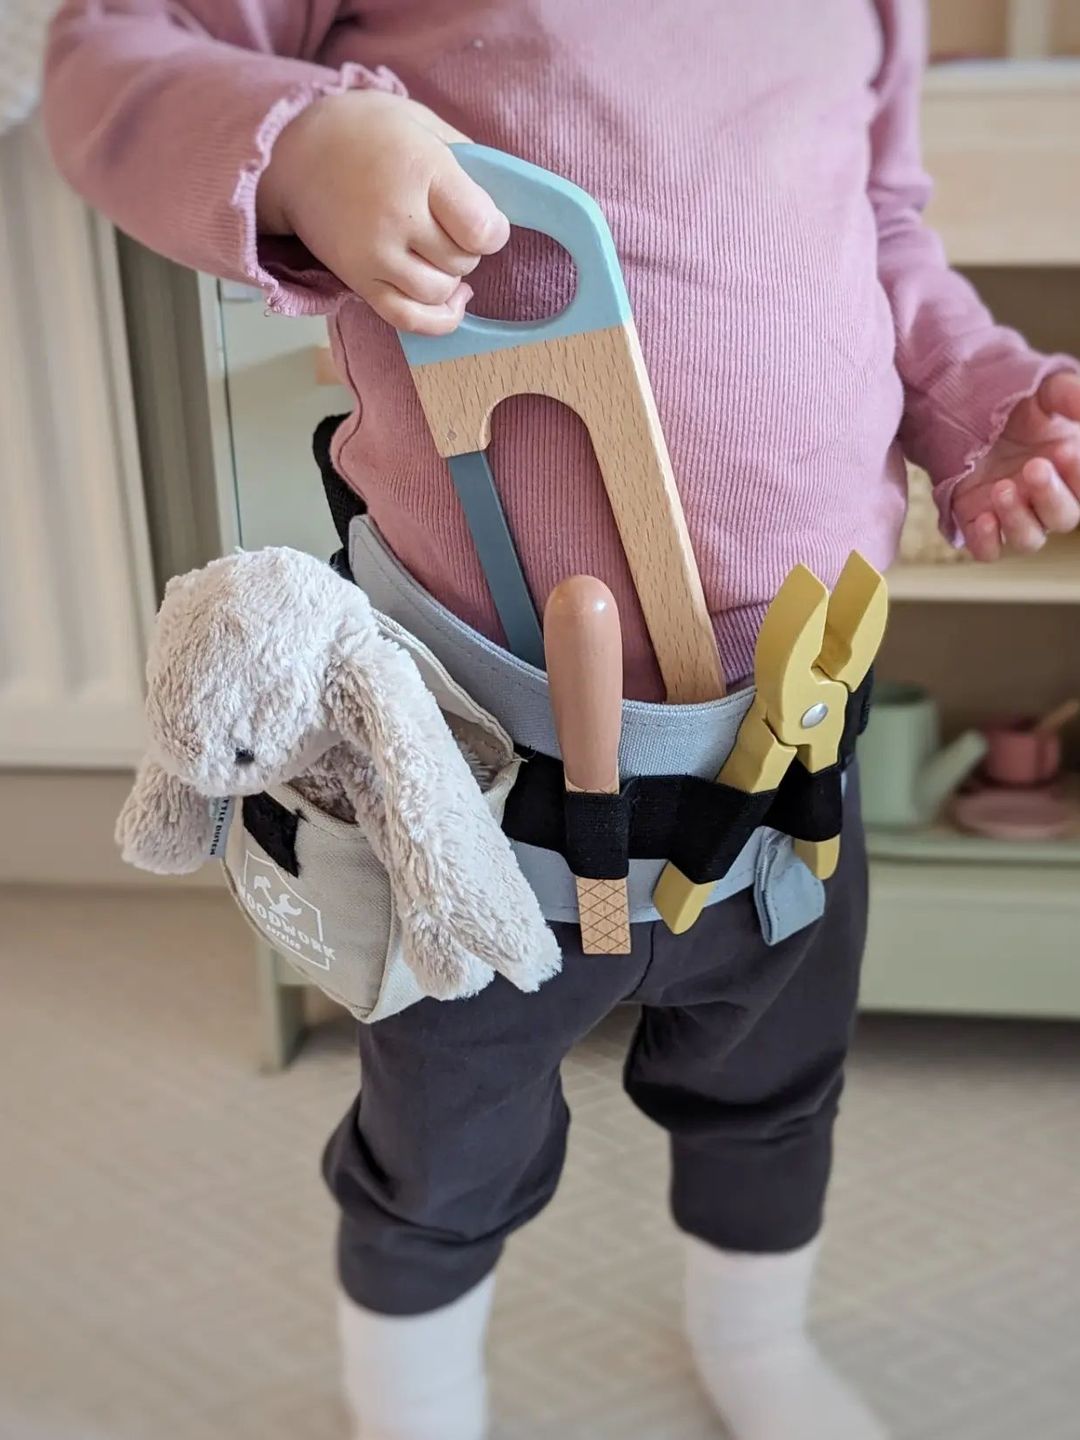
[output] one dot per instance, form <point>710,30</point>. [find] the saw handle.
<point>536,199</point>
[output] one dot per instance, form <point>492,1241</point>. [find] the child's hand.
<point>367,182</point>
<point>1028,485</point>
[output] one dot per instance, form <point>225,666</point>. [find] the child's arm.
<point>208,131</point>
<point>993,422</point>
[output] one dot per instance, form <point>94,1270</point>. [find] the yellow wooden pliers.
<point>814,649</point>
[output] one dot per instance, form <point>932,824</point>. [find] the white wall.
<point>76,593</point>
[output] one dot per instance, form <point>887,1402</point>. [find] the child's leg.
<point>740,1057</point>
<point>456,1138</point>
<point>417,1377</point>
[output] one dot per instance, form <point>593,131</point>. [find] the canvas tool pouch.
<point>311,885</point>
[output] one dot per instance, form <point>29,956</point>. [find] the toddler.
<point>759,165</point>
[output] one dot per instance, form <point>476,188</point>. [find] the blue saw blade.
<point>475,486</point>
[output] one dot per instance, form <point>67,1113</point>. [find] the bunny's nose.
<point>245,757</point>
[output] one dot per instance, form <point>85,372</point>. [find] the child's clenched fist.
<point>367,181</point>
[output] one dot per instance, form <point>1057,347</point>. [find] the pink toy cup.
<point>1020,755</point>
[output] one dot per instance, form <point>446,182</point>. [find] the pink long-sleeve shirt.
<point>760,168</point>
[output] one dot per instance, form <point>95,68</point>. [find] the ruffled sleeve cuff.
<point>292,279</point>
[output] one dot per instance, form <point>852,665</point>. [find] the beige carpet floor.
<point>165,1243</point>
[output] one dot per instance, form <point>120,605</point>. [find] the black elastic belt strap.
<point>699,824</point>
<point>344,502</point>
<point>274,828</point>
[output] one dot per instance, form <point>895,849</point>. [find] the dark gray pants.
<point>458,1134</point>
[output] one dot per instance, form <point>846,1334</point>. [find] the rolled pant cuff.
<point>395,1285</point>
<point>757,1198</point>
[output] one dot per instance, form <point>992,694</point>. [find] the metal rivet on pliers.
<point>814,715</point>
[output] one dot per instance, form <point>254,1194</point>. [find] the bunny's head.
<point>244,662</point>
<point>237,678</point>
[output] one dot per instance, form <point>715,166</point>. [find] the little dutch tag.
<point>223,813</point>
<point>787,895</point>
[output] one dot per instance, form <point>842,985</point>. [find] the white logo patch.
<point>286,916</point>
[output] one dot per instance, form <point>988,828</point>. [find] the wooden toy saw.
<point>587,356</point>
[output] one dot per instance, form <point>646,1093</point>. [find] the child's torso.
<point>728,145</point>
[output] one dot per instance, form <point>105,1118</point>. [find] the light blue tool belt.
<point>656,740</point>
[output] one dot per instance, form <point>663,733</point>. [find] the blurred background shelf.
<point>1022,29</point>
<point>1050,578</point>
<point>941,845</point>
<point>973,939</point>
<point>1000,138</point>
<point>1001,130</point>
<point>960,923</point>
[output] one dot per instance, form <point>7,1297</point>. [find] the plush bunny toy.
<point>266,665</point>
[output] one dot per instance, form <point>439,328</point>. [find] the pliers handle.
<point>814,649</point>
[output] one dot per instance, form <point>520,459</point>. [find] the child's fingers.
<point>418,279</point>
<point>404,313</point>
<point>1068,467</point>
<point>1059,394</point>
<point>1020,528</point>
<point>982,536</point>
<point>432,243</point>
<point>1055,506</point>
<point>466,211</point>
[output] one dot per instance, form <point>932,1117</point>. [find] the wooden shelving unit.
<point>973,940</point>
<point>1002,138</point>
<point>941,844</point>
<point>959,923</point>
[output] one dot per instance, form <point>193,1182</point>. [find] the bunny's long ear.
<point>164,826</point>
<point>443,966</point>
<point>445,850</point>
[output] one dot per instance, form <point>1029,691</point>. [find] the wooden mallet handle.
<point>583,648</point>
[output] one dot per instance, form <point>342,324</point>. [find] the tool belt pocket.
<point>312,887</point>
